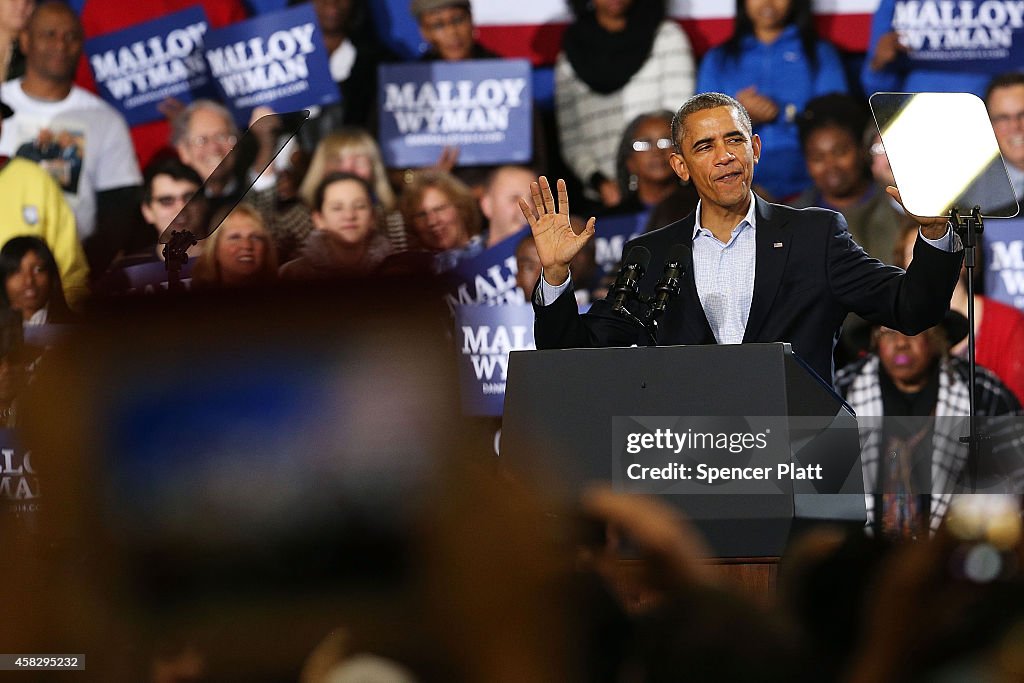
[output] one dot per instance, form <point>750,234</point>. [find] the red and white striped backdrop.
<point>533,28</point>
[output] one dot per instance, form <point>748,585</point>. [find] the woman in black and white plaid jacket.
<point>934,385</point>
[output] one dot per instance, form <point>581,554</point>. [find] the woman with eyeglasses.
<point>773,64</point>
<point>646,179</point>
<point>32,282</point>
<point>240,252</point>
<point>443,217</point>
<point>347,240</point>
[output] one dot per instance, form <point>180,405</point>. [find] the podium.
<point>564,407</point>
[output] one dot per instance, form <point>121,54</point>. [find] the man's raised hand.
<point>557,244</point>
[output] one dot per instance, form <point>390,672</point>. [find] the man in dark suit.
<point>756,272</point>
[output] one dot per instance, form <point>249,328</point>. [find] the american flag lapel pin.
<point>777,245</point>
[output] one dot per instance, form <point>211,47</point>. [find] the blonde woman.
<point>240,252</point>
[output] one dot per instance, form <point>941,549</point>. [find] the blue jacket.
<point>782,72</point>
<point>899,77</point>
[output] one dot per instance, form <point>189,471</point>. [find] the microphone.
<point>626,284</point>
<point>669,285</point>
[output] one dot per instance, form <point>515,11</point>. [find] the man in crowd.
<point>1004,99</point>
<point>167,187</point>
<point>759,272</point>
<point>31,203</point>
<point>108,186</point>
<point>204,133</point>
<point>500,202</point>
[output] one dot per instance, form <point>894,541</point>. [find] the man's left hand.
<point>931,227</point>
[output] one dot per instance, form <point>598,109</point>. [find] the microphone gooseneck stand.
<point>626,287</point>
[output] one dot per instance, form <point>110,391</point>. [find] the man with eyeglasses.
<point>203,134</point>
<point>167,188</point>
<point>1004,99</point>
<point>108,186</point>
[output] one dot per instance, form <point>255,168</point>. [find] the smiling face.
<point>347,211</point>
<point>241,249</point>
<point>835,162</point>
<point>208,140</point>
<point>649,160</point>
<point>437,223</point>
<point>28,289</point>
<point>718,156</point>
<point>1006,109</point>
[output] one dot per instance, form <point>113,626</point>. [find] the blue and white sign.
<point>483,107</point>
<point>984,36</point>
<point>485,335</point>
<point>276,60</point>
<point>138,68</point>
<point>149,278</point>
<point>489,277</point>
<point>611,234</point>
<point>1004,260</point>
<point>19,481</point>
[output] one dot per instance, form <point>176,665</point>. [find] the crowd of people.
<point>87,202</point>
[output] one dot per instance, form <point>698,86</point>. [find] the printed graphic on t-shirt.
<point>58,148</point>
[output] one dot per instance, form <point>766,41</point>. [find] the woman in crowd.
<point>831,136</point>
<point>620,58</point>
<point>443,216</point>
<point>773,64</point>
<point>346,241</point>
<point>32,281</point>
<point>646,180</point>
<point>241,252</point>
<point>353,150</point>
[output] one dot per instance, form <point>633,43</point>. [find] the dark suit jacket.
<point>803,290</point>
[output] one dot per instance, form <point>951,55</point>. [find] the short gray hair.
<point>700,102</point>
<point>181,122</point>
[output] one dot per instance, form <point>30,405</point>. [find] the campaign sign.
<point>489,277</point>
<point>139,67</point>
<point>148,278</point>
<point>611,235</point>
<point>485,335</point>
<point>19,482</point>
<point>483,107</point>
<point>1004,260</point>
<point>277,60</point>
<point>984,36</point>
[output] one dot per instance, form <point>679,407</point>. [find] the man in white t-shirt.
<point>97,168</point>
